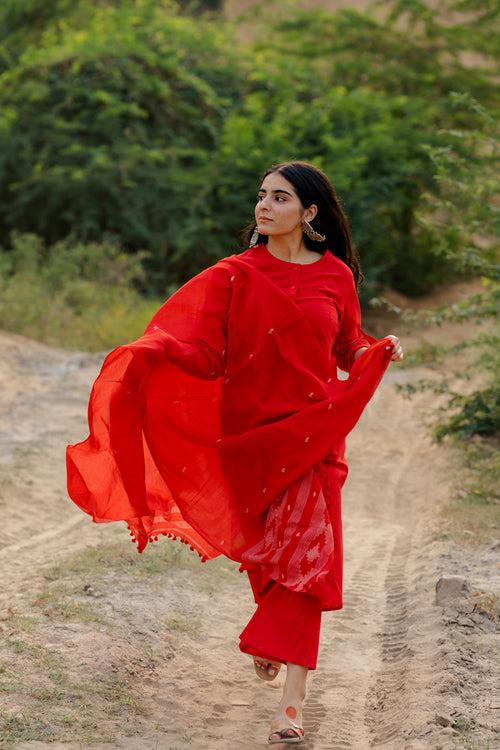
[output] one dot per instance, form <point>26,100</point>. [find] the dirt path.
<point>102,647</point>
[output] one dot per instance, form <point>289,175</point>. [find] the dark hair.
<point>313,186</point>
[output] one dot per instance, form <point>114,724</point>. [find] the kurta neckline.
<point>290,262</point>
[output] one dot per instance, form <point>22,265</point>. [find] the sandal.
<point>268,674</point>
<point>285,736</point>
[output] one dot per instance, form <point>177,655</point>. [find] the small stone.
<point>444,720</point>
<point>450,587</point>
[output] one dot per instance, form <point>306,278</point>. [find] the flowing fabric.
<point>216,425</point>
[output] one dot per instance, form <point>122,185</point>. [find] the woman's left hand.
<point>398,349</point>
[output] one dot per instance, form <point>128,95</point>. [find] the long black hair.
<point>313,186</point>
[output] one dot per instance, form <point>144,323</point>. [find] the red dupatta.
<point>226,405</point>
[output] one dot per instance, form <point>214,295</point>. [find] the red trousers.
<point>285,626</point>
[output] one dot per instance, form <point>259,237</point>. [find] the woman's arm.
<point>351,340</point>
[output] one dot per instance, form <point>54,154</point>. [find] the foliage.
<point>144,121</point>
<point>72,294</point>
<point>463,226</point>
<point>106,126</point>
<point>369,101</point>
<point>479,414</point>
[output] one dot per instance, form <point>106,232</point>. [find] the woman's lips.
<point>263,218</point>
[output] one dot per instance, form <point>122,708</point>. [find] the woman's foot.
<point>265,668</point>
<point>287,723</point>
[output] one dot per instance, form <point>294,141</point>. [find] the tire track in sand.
<point>365,665</point>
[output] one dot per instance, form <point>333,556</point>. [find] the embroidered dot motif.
<point>330,406</point>
<point>264,489</point>
<point>306,440</point>
<point>271,330</point>
<point>283,469</point>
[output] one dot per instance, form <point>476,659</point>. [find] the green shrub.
<point>72,294</point>
<point>479,414</point>
<point>108,123</point>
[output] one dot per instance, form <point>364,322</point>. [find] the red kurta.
<point>325,291</point>
<point>225,423</point>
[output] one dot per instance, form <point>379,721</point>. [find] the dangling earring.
<point>255,236</point>
<point>312,233</point>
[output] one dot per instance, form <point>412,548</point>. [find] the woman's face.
<point>278,209</point>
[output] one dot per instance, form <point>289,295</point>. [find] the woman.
<point>224,425</point>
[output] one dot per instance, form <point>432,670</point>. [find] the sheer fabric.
<point>225,423</point>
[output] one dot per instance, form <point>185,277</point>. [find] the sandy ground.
<point>102,647</point>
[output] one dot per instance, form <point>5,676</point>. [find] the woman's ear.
<point>311,212</point>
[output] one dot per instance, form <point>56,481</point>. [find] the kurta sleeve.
<point>194,336</point>
<point>350,336</point>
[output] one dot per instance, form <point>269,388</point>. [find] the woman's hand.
<point>398,349</point>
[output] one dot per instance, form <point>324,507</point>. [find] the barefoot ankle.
<point>294,696</point>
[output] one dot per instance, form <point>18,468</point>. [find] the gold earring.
<point>312,233</point>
